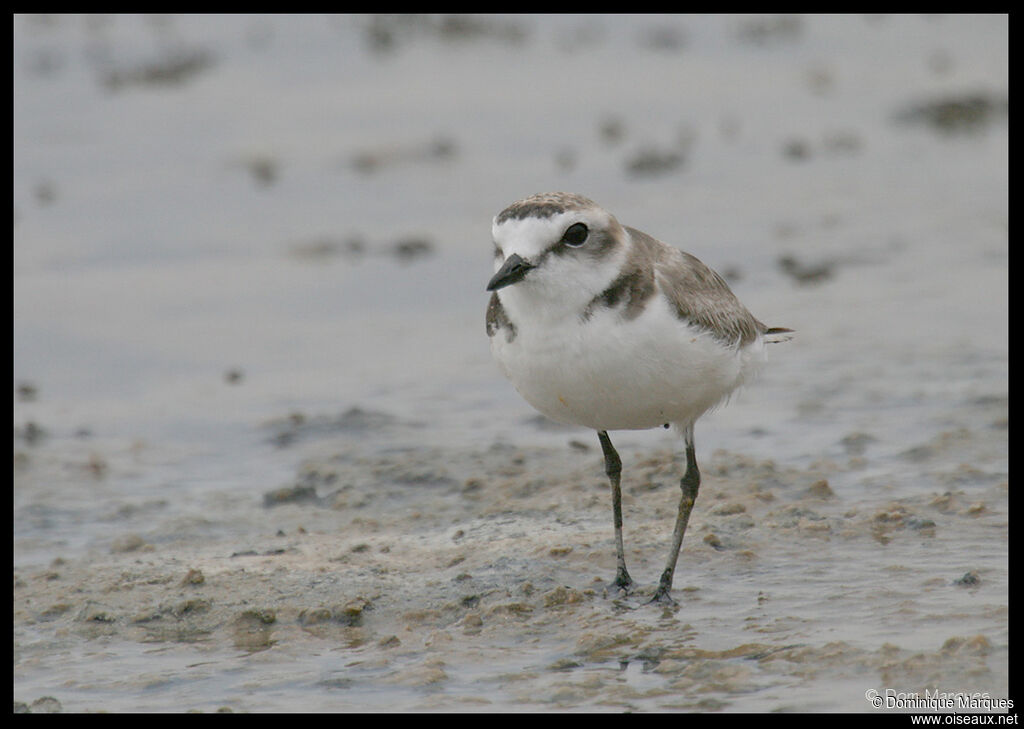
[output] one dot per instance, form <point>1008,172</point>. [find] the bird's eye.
<point>575,235</point>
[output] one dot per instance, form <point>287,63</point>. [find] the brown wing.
<point>697,294</point>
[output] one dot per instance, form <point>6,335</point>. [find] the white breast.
<point>609,373</point>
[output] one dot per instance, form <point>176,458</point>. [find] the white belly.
<point>608,373</point>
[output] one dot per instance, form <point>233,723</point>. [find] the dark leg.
<point>613,467</point>
<point>689,485</point>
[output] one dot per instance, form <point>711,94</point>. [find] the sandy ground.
<point>454,580</point>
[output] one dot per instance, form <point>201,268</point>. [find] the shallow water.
<point>250,255</point>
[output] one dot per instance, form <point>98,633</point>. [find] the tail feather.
<point>774,335</point>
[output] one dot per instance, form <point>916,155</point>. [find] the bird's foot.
<point>662,597</point>
<point>623,582</point>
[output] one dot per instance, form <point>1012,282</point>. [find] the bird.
<point>600,325</point>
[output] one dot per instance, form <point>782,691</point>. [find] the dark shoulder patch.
<point>497,319</point>
<point>635,286</point>
<point>632,289</point>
